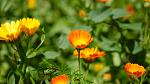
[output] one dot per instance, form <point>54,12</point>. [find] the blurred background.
<point>119,27</point>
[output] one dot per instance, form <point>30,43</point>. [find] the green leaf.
<point>33,73</point>
<point>97,16</point>
<point>119,12</point>
<point>51,54</point>
<point>137,48</point>
<point>116,59</point>
<point>11,79</point>
<point>62,42</point>
<point>21,80</point>
<point>132,26</point>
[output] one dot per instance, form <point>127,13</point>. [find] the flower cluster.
<point>80,39</point>
<point>134,69</point>
<point>10,31</point>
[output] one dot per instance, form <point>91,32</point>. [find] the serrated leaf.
<point>51,54</point>
<point>116,59</point>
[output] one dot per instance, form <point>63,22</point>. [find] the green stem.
<point>79,58</point>
<point>87,70</point>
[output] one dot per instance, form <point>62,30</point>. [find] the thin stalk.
<point>79,58</point>
<point>87,70</point>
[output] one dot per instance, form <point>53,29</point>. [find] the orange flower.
<point>82,13</point>
<point>80,38</point>
<point>107,76</point>
<point>147,0</point>
<point>10,31</point>
<point>90,54</point>
<point>62,79</point>
<point>134,69</point>
<point>130,9</point>
<point>103,1</point>
<point>29,25</point>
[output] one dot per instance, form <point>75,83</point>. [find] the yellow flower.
<point>98,66</point>
<point>10,31</point>
<point>147,0</point>
<point>90,54</point>
<point>82,13</point>
<point>62,79</point>
<point>31,4</point>
<point>134,69</point>
<point>80,38</point>
<point>29,25</point>
<point>107,76</point>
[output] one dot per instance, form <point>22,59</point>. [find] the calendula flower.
<point>82,13</point>
<point>147,0</point>
<point>103,1</point>
<point>80,38</point>
<point>130,9</point>
<point>98,66</point>
<point>134,69</point>
<point>90,54</point>
<point>29,25</point>
<point>31,4</point>
<point>62,79</point>
<point>107,76</point>
<point>10,31</point>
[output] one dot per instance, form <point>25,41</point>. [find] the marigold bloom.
<point>134,69</point>
<point>98,67</point>
<point>147,0</point>
<point>130,9</point>
<point>31,4</point>
<point>90,54</point>
<point>103,1</point>
<point>82,13</point>
<point>10,31</point>
<point>80,38</point>
<point>62,79</point>
<point>29,25</point>
<point>107,76</point>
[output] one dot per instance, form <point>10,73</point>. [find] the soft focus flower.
<point>90,54</point>
<point>98,66</point>
<point>82,13</point>
<point>10,31</point>
<point>62,79</point>
<point>29,25</point>
<point>130,9</point>
<point>104,1</point>
<point>107,76</point>
<point>134,69</point>
<point>31,4</point>
<point>147,0</point>
<point>80,38</point>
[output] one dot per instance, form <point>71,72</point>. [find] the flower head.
<point>29,25</point>
<point>134,69</point>
<point>130,9</point>
<point>80,38</point>
<point>103,1</point>
<point>90,54</point>
<point>107,76</point>
<point>98,66</point>
<point>31,4</point>
<point>147,0</point>
<point>62,79</point>
<point>82,13</point>
<point>10,31</point>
